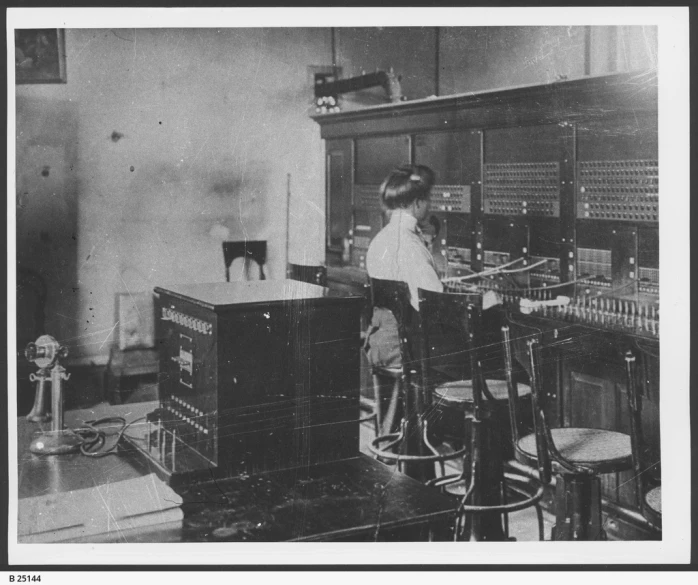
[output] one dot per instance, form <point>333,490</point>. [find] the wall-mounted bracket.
<point>328,86</point>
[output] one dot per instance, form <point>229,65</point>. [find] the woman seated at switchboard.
<point>399,252</point>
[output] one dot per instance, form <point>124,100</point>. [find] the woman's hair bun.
<point>405,184</point>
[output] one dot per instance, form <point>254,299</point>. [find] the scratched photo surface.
<point>201,302</point>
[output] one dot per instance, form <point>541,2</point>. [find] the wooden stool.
<point>409,448</point>
<point>451,399</point>
<point>578,495</point>
<point>578,455</point>
<point>448,318</point>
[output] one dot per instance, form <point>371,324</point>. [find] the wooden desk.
<point>40,475</point>
<point>343,500</point>
<point>74,498</point>
<point>352,500</point>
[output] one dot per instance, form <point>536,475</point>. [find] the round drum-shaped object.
<point>451,402</point>
<point>460,392</point>
<point>604,451</point>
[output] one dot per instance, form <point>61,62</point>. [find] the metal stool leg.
<point>541,524</point>
<point>505,516</point>
<point>578,508</point>
<point>539,510</point>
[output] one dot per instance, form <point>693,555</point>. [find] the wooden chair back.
<point>450,338</point>
<point>248,250</point>
<point>540,427</point>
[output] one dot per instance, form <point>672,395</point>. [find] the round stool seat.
<point>653,499</point>
<point>606,451</point>
<point>461,391</point>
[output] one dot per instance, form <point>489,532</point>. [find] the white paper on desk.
<point>110,509</point>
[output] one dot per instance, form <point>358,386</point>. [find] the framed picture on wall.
<point>40,55</point>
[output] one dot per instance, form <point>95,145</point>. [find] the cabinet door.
<point>377,156</point>
<point>453,156</point>
<point>339,183</point>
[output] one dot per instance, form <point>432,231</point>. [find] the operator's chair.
<point>649,493</point>
<point>578,455</point>
<point>310,274</point>
<point>409,448</point>
<point>255,250</point>
<point>444,341</point>
<point>453,382</point>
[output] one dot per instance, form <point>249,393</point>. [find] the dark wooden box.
<point>255,376</point>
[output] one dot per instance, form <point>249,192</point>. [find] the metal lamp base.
<point>56,443</point>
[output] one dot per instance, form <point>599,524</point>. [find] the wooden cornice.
<point>587,98</point>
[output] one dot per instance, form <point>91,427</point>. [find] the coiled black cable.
<point>94,438</point>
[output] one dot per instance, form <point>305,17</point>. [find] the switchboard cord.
<point>525,289</point>
<point>483,273</point>
<point>581,280</point>
<point>498,270</point>
<point>524,268</point>
<point>95,438</point>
